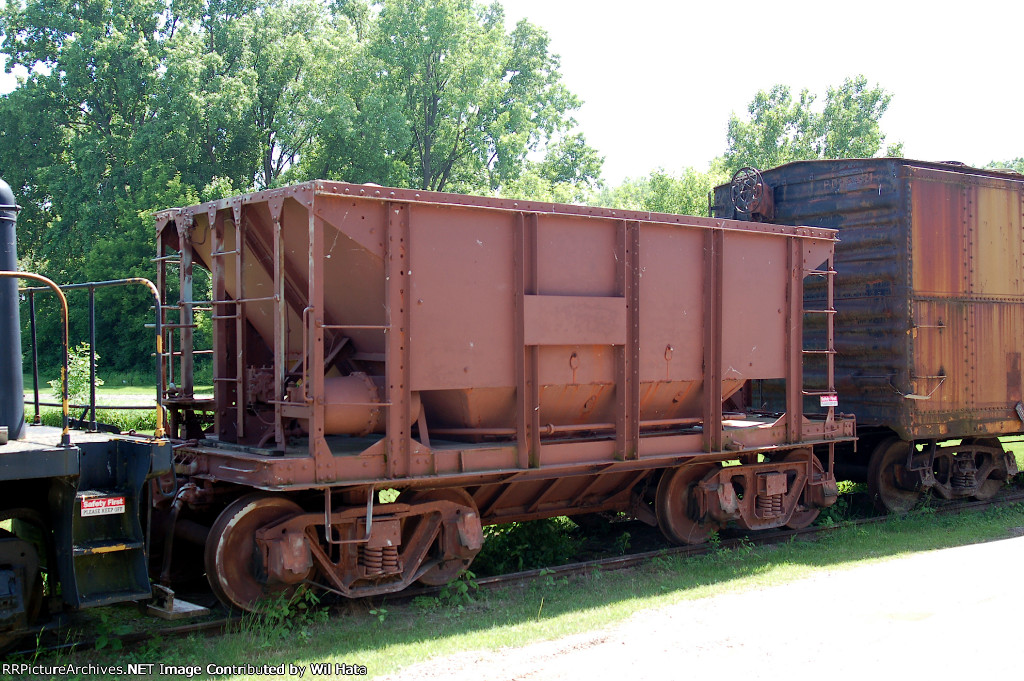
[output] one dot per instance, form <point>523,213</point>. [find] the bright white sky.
<point>660,78</point>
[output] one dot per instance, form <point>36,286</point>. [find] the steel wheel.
<point>233,563</point>
<point>452,568</point>
<point>676,508</point>
<point>803,515</point>
<point>889,457</point>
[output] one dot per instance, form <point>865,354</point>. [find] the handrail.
<point>65,437</point>
<point>92,286</point>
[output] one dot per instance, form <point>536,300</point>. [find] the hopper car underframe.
<point>314,411</point>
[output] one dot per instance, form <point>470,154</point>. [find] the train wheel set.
<point>899,477</point>
<point>497,361</point>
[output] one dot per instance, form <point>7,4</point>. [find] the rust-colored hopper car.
<point>493,361</point>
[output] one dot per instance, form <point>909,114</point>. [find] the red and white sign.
<point>102,505</point>
<point>830,400</point>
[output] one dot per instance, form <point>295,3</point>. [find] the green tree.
<point>782,128</point>
<point>569,173</point>
<point>475,99</point>
<point>849,125</point>
<point>663,192</point>
<point>358,14</point>
<point>78,376</point>
<point>246,90</point>
<point>80,138</point>
<point>77,119</point>
<point>131,106</point>
<point>296,55</point>
<point>1016,164</point>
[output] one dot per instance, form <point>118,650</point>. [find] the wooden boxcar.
<point>930,300</point>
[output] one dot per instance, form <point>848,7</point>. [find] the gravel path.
<point>940,615</point>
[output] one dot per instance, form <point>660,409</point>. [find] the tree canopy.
<point>135,105</point>
<point>660,191</point>
<point>1016,164</point>
<point>783,128</point>
<point>780,128</point>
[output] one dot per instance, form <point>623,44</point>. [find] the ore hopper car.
<point>930,302</point>
<point>492,360</point>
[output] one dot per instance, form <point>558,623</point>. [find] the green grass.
<point>386,636</point>
<point>111,394</point>
<point>1015,445</point>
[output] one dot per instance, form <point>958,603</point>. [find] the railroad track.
<point>764,538</point>
<point>609,563</point>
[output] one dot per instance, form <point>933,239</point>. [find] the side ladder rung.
<point>178,353</point>
<point>178,306</point>
<point>242,300</point>
<point>252,300</point>
<point>358,327</point>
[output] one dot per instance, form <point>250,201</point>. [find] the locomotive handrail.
<point>65,436</point>
<point>92,286</point>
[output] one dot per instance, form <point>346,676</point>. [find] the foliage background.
<point>132,106</point>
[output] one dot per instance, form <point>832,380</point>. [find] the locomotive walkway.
<point>944,614</point>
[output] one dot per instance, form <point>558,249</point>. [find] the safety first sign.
<point>102,506</point>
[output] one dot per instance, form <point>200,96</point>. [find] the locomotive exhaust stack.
<point>12,408</point>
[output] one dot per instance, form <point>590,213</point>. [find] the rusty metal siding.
<point>968,300</point>
<point>929,291</point>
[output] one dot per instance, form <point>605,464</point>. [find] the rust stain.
<point>1013,378</point>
